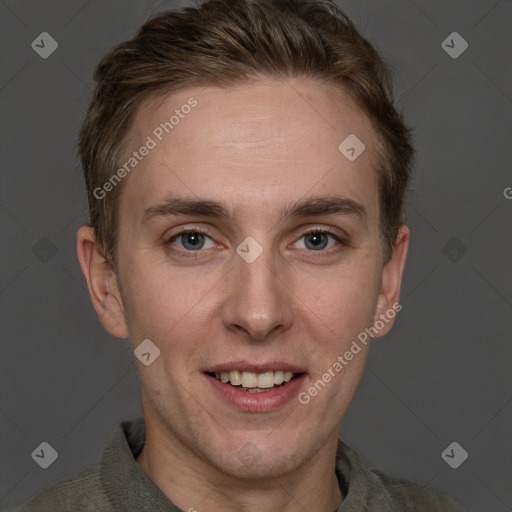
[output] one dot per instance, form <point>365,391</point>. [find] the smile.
<point>256,388</point>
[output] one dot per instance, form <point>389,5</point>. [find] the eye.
<point>195,240</point>
<point>319,240</point>
<point>192,240</point>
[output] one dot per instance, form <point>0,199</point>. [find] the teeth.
<point>266,380</point>
<point>235,377</point>
<point>253,380</point>
<point>278,377</point>
<point>249,380</point>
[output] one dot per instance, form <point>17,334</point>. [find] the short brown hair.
<point>224,42</point>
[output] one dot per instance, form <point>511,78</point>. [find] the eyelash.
<point>313,231</point>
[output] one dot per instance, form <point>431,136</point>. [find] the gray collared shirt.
<point>117,484</point>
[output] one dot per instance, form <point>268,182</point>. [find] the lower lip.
<point>257,402</point>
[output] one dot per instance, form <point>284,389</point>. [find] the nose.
<point>258,302</point>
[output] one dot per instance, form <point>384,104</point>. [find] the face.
<point>249,248</point>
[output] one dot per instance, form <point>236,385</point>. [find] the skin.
<point>256,149</point>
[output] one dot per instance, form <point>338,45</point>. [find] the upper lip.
<point>246,366</point>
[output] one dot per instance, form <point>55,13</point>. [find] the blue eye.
<point>318,240</point>
<point>192,240</point>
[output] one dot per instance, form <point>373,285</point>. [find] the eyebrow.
<point>314,206</point>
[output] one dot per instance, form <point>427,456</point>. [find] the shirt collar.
<point>127,486</point>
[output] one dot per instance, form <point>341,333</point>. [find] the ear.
<point>102,283</point>
<point>387,302</point>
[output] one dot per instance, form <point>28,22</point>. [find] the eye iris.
<point>318,241</point>
<point>192,240</point>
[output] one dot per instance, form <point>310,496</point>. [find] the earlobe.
<point>387,302</point>
<point>102,283</point>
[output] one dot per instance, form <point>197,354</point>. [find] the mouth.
<point>256,388</point>
<point>252,382</point>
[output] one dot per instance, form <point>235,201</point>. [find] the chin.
<point>252,465</point>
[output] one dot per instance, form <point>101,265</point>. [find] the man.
<point>246,172</point>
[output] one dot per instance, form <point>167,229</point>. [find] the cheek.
<point>156,293</point>
<point>163,306</point>
<point>152,303</point>
<point>344,300</point>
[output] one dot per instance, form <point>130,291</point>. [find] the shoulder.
<point>370,489</point>
<point>82,491</point>
<point>408,496</point>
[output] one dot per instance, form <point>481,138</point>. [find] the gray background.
<point>442,375</point>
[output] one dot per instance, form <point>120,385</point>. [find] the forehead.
<point>276,140</point>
